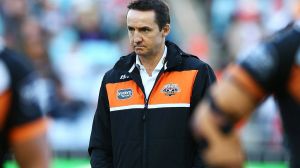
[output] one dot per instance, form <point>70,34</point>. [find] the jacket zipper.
<point>145,142</point>
<point>144,116</point>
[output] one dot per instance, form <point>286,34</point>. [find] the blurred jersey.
<point>274,68</point>
<point>20,112</point>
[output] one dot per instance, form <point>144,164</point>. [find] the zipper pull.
<point>145,108</point>
<point>146,103</point>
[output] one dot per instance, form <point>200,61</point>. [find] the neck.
<point>151,62</point>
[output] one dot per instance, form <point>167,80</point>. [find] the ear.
<point>166,30</point>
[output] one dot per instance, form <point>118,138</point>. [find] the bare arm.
<point>33,153</point>
<point>233,99</point>
<point>224,150</point>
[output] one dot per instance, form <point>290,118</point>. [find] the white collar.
<point>158,66</point>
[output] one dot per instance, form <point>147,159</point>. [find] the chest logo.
<point>170,89</point>
<point>123,94</point>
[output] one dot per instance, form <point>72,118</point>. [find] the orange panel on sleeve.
<point>181,80</point>
<point>246,81</point>
<point>294,83</point>
<point>28,131</point>
<point>115,89</point>
<point>5,100</point>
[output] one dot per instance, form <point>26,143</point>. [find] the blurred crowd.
<point>73,42</point>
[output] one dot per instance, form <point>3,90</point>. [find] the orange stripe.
<point>246,81</point>
<point>184,80</point>
<point>28,131</point>
<point>294,83</point>
<point>5,100</point>
<point>113,89</point>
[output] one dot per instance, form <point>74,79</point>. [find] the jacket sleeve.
<point>204,79</point>
<point>100,147</point>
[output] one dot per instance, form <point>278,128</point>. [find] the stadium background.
<point>73,42</point>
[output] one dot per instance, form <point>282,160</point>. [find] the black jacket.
<point>130,131</point>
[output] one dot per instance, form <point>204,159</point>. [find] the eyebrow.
<point>140,28</point>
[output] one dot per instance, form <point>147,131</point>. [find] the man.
<point>271,68</point>
<point>145,101</point>
<point>22,127</point>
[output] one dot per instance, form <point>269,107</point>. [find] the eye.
<point>145,29</point>
<point>130,29</point>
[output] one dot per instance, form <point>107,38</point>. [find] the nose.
<point>137,38</point>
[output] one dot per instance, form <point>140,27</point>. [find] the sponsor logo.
<point>124,94</point>
<point>170,89</point>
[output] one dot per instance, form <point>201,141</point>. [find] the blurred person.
<point>78,85</point>
<point>271,68</point>
<point>88,21</point>
<point>22,125</point>
<point>51,13</point>
<point>13,13</point>
<point>245,30</point>
<point>87,46</point>
<point>34,42</point>
<point>147,98</point>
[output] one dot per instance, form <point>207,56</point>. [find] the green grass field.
<point>60,163</point>
<point>84,163</point>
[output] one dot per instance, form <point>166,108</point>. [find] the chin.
<point>139,52</point>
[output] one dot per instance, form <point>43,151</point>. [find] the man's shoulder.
<point>16,62</point>
<point>193,61</point>
<point>284,38</point>
<point>125,62</point>
<point>120,69</point>
<point>188,60</point>
<point>21,69</point>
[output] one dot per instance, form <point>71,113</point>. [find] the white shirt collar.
<point>158,66</point>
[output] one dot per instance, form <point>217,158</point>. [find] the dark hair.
<point>161,9</point>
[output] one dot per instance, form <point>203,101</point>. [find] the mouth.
<point>139,47</point>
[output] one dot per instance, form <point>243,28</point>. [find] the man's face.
<point>145,37</point>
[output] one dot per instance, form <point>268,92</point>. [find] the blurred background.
<point>73,42</point>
